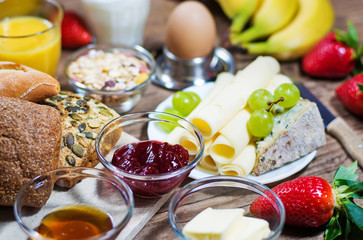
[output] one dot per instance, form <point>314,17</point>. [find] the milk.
<point>117,21</point>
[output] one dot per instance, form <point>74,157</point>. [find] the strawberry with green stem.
<point>335,56</point>
<point>311,202</point>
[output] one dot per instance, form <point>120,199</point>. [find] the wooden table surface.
<point>328,157</point>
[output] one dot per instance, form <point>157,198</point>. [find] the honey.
<point>74,222</point>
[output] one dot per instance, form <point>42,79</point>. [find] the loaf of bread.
<point>23,82</point>
<point>296,133</point>
<point>82,119</point>
<point>30,142</point>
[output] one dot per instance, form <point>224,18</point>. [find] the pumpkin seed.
<point>87,98</point>
<point>82,127</point>
<point>53,105</point>
<point>91,116</point>
<point>81,102</point>
<point>69,140</point>
<point>78,150</point>
<point>70,160</point>
<point>56,98</point>
<point>94,124</point>
<point>106,113</point>
<point>75,116</point>
<point>90,135</point>
<point>63,92</point>
<point>73,108</point>
<point>101,108</point>
<point>74,123</point>
<point>85,108</point>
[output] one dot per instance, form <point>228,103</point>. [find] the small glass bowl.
<point>122,100</point>
<point>140,127</point>
<point>221,192</point>
<point>79,187</point>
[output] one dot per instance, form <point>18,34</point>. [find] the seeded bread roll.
<point>82,119</point>
<point>30,141</point>
<point>23,82</point>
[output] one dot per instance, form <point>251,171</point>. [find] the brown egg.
<point>190,31</point>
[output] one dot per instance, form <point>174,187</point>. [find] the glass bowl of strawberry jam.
<point>151,164</point>
<point>74,203</point>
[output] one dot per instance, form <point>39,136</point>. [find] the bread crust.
<point>23,82</point>
<point>30,141</point>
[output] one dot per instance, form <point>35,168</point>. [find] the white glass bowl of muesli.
<point>114,74</point>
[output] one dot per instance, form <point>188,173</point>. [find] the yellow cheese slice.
<point>233,138</point>
<point>243,164</point>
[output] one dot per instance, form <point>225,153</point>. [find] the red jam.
<point>150,157</point>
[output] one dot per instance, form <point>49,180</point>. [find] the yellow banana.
<point>270,17</point>
<point>232,8</point>
<point>240,19</point>
<point>313,21</point>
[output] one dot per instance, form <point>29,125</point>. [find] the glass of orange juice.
<point>30,33</point>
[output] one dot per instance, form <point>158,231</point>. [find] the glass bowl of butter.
<point>219,207</point>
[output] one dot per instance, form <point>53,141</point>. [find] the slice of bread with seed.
<point>82,119</point>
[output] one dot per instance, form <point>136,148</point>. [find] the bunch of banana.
<point>290,27</point>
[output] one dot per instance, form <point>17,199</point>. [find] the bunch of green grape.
<point>183,104</point>
<point>261,103</point>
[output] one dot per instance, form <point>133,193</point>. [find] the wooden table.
<point>328,157</point>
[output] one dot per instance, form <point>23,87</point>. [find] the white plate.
<point>269,177</point>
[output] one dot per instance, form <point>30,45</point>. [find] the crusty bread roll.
<point>23,82</point>
<point>30,142</point>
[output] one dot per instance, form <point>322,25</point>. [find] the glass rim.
<point>152,177</point>
<point>57,22</point>
<point>195,185</point>
<point>126,193</point>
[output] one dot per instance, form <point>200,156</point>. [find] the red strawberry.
<point>335,56</point>
<point>350,93</point>
<point>311,202</point>
<point>74,31</point>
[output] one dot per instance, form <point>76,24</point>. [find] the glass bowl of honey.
<point>74,203</point>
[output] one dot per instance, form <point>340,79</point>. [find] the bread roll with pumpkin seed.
<point>82,119</point>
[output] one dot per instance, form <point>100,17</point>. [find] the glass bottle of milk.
<point>117,21</point>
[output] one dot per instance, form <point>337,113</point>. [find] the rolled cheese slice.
<point>234,97</point>
<point>207,162</point>
<point>243,164</point>
<point>232,139</point>
<point>223,80</point>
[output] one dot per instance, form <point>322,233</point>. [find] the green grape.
<point>260,123</point>
<point>165,126</point>
<point>290,94</point>
<point>259,99</point>
<point>185,102</point>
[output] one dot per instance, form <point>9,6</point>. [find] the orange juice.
<point>32,41</point>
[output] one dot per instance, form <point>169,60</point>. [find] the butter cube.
<point>214,224</point>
